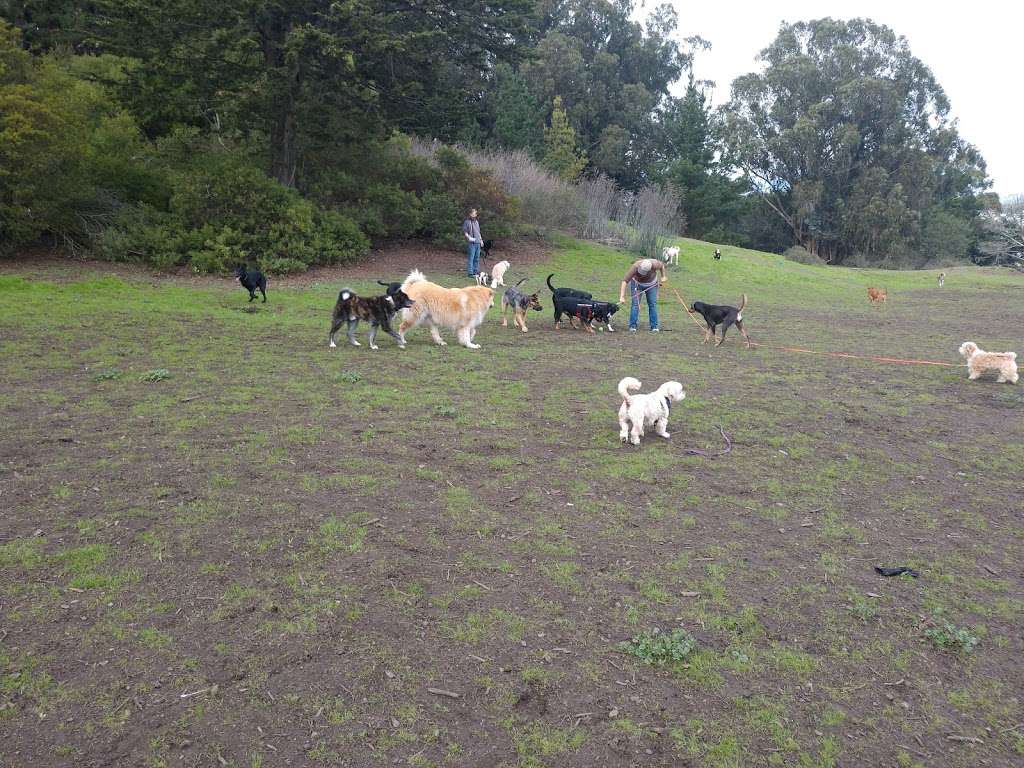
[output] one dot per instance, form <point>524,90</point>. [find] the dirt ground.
<point>223,543</point>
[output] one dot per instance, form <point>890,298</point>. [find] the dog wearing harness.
<point>640,411</point>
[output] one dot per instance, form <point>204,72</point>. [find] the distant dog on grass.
<point>486,248</point>
<point>721,315</point>
<point>461,309</point>
<point>377,310</point>
<point>670,254</point>
<point>877,295</point>
<point>252,280</point>
<point>718,254</point>
<point>520,302</point>
<point>498,274</point>
<point>1004,364</point>
<point>942,279</point>
<point>482,278</point>
<point>640,411</point>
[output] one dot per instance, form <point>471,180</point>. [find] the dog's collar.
<point>668,404</point>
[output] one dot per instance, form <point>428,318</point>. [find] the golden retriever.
<point>461,309</point>
<point>877,295</point>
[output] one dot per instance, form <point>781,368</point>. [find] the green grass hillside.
<point>225,542</point>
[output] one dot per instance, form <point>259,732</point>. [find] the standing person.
<point>643,280</point>
<point>471,231</point>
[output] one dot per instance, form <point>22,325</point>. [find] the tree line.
<point>841,144</point>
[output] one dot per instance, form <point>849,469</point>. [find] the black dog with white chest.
<point>723,315</point>
<point>377,310</point>
<point>252,280</point>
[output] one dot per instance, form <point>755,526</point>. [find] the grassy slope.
<point>215,527</point>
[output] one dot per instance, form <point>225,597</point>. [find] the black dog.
<point>252,280</point>
<point>584,310</point>
<point>378,310</point>
<point>720,314</point>
<point>556,292</point>
<point>486,248</point>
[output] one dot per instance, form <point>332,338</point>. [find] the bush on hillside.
<point>225,211</point>
<point>69,156</point>
<point>801,255</point>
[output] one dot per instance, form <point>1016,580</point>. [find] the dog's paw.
<point>333,345</point>
<point>442,343</point>
<point>374,346</point>
<point>666,435</point>
<point>471,345</point>
<point>355,343</point>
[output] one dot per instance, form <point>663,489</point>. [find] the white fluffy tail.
<point>414,277</point>
<point>627,385</point>
<point>345,295</point>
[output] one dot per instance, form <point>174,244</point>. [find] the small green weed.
<point>949,637</point>
<point>157,374</point>
<point>659,648</point>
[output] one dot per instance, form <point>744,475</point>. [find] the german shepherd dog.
<point>723,315</point>
<point>252,280</point>
<point>377,310</point>
<point>520,302</point>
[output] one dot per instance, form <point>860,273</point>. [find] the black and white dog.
<point>252,280</point>
<point>377,310</point>
<point>586,311</point>
<point>723,315</point>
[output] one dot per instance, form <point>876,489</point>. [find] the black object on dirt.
<point>896,571</point>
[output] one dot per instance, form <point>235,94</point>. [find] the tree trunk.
<point>283,126</point>
<point>283,155</point>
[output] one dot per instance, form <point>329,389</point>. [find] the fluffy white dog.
<point>670,254</point>
<point>979,361</point>
<point>498,273</point>
<point>639,411</point>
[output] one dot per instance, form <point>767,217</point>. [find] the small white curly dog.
<point>979,361</point>
<point>498,274</point>
<point>639,411</point>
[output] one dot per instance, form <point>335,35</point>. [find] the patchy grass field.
<point>223,543</point>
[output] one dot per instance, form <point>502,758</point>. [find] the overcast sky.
<point>973,49</point>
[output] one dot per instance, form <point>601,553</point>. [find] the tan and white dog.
<point>639,411</point>
<point>498,274</point>
<point>670,254</point>
<point>1004,364</point>
<point>461,309</point>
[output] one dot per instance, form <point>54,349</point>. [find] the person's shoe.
<point>632,330</point>
<point>654,330</point>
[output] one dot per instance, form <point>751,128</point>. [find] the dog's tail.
<point>743,302</point>
<point>627,385</point>
<point>549,282</point>
<point>345,294</point>
<point>381,282</point>
<point>522,281</point>
<point>414,277</point>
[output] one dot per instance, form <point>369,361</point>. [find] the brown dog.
<point>877,295</point>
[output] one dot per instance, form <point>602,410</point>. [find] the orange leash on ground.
<point>801,350</point>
